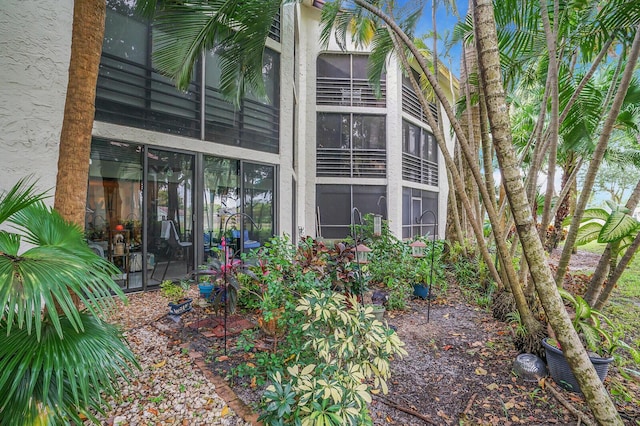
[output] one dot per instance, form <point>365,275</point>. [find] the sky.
<point>444,23</point>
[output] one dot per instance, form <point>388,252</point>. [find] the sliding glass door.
<point>170,219</point>
<point>238,202</point>
<point>113,222</point>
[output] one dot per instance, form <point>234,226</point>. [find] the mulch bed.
<point>458,368</point>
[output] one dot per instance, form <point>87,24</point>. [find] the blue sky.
<point>444,23</point>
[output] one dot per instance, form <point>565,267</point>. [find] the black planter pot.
<point>180,308</point>
<point>561,372</point>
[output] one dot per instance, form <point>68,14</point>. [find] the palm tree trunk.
<point>597,156</point>
<point>595,285</point>
<point>617,273</point>
<point>79,109</point>
<point>439,136</point>
<point>552,71</point>
<point>490,74</point>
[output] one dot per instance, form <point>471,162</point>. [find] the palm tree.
<point>54,366</point>
<point>489,64</point>
<point>79,109</point>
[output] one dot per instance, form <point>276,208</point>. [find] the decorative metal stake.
<point>433,249</point>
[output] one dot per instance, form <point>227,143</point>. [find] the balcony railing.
<point>274,31</point>
<point>349,92</point>
<point>364,163</point>
<point>416,169</point>
<point>412,106</point>
<point>254,125</point>
<point>132,94</point>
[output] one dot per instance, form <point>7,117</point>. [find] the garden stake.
<point>225,247</point>
<point>433,249</point>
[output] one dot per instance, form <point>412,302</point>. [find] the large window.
<point>335,203</point>
<point>342,80</point>
<point>419,212</point>
<point>132,93</point>
<point>239,199</point>
<point>129,91</point>
<point>256,123</point>
<point>351,145</point>
<point>419,155</point>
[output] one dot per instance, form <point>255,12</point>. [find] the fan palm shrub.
<point>59,358</point>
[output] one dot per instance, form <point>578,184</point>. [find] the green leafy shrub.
<point>56,365</point>
<point>345,355</point>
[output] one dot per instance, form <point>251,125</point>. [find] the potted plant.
<point>600,336</point>
<point>224,276</point>
<point>176,293</point>
<point>422,278</point>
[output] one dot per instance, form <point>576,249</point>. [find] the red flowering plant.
<point>224,273</point>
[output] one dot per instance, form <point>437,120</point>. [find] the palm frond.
<point>53,379</point>
<point>21,195</point>
<point>239,29</point>
<point>46,275</point>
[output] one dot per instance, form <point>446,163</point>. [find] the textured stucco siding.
<point>35,44</point>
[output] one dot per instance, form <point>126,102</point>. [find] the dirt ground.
<point>458,371</point>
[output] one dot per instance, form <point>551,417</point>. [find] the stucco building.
<point>171,171</point>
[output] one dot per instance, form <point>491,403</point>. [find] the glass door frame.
<point>195,178</point>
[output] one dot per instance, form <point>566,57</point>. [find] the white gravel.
<point>170,389</point>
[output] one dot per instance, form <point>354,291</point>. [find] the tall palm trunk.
<point>598,155</point>
<point>490,74</point>
<point>79,109</point>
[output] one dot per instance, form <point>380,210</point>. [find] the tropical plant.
<point>345,356</point>
<point>225,273</point>
<point>57,362</point>
<point>614,226</point>
<point>174,291</point>
<point>600,334</point>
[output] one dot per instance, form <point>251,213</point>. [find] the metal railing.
<point>416,169</point>
<point>412,106</point>
<point>135,95</point>
<point>349,92</point>
<point>364,163</point>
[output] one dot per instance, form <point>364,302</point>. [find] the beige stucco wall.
<point>311,47</point>
<point>35,44</point>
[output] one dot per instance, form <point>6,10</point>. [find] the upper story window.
<point>130,92</point>
<point>342,80</point>
<point>410,102</point>
<point>256,123</point>
<point>351,145</point>
<point>419,155</point>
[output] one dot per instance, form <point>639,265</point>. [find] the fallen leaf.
<point>509,405</point>
<point>253,384</point>
<point>481,371</point>
<point>225,411</point>
<point>388,419</point>
<point>222,358</point>
<point>251,365</point>
<point>447,347</point>
<point>446,316</point>
<point>493,386</point>
<point>160,364</point>
<point>152,411</point>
